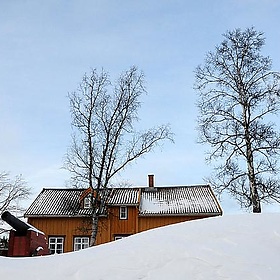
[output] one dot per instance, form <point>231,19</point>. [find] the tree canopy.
<point>12,191</point>
<point>239,102</point>
<point>104,138</point>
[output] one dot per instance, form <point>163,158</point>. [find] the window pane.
<point>56,245</point>
<point>123,212</point>
<point>87,202</point>
<point>81,243</point>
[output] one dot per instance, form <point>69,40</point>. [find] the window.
<point>81,243</point>
<point>56,245</point>
<point>120,236</point>
<point>123,212</point>
<point>87,202</point>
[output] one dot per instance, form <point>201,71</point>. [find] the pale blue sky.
<point>47,46</point>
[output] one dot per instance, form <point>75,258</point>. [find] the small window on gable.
<point>123,212</point>
<point>87,202</point>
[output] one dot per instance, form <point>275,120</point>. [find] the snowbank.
<point>229,247</point>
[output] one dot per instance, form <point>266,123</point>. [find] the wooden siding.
<point>70,227</point>
<point>108,227</point>
<point>149,222</point>
<point>64,227</point>
<point>122,227</point>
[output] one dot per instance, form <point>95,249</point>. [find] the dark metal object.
<point>20,226</point>
<point>24,240</point>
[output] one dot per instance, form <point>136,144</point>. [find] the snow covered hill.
<point>242,247</point>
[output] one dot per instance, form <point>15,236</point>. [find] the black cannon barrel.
<point>20,226</point>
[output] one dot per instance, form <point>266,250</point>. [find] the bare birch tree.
<point>12,191</point>
<point>239,98</point>
<point>104,141</point>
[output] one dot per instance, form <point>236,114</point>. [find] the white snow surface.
<point>155,205</point>
<point>239,247</point>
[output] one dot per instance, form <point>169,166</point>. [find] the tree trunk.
<point>255,199</point>
<point>254,196</point>
<point>94,229</point>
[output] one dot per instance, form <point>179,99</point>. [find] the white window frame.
<point>56,244</point>
<point>81,242</point>
<point>87,202</point>
<point>123,213</point>
<point>120,236</point>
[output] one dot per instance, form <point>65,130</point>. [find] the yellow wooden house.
<point>64,214</point>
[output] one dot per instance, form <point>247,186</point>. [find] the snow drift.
<point>229,247</point>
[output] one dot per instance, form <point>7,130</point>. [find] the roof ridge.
<point>64,189</point>
<point>178,186</point>
<point>128,188</point>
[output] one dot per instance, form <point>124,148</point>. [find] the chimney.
<point>151,181</point>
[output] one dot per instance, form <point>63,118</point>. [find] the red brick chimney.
<point>151,181</point>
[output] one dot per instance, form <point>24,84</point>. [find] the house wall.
<point>146,223</point>
<point>70,227</point>
<point>62,227</point>
<point>108,227</point>
<point>122,227</point>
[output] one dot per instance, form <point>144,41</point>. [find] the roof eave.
<point>123,204</point>
<point>61,216</point>
<point>180,215</point>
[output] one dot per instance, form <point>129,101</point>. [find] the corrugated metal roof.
<point>124,196</point>
<point>179,201</point>
<point>157,201</point>
<point>66,202</point>
<point>57,202</point>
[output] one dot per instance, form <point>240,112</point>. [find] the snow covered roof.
<point>191,200</point>
<point>183,200</point>
<point>57,202</point>
<point>66,202</point>
<point>124,196</point>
